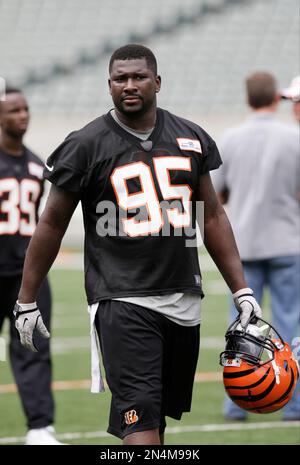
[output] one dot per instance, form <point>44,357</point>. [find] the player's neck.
<point>141,123</point>
<point>13,146</point>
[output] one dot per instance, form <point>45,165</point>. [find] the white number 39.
<point>19,207</point>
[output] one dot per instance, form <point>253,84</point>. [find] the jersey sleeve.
<point>218,176</point>
<point>211,158</point>
<point>67,165</point>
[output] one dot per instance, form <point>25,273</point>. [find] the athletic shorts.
<point>150,363</point>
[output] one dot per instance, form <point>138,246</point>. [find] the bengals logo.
<point>131,417</point>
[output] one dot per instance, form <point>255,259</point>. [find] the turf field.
<point>81,417</point>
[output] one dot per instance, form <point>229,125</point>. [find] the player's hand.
<point>27,319</point>
<point>246,305</point>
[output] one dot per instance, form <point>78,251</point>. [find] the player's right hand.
<point>246,305</point>
<point>27,319</point>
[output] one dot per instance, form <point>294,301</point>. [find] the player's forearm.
<point>41,253</point>
<point>45,242</point>
<point>220,243</point>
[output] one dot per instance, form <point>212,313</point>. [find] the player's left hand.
<point>27,319</point>
<point>246,305</point>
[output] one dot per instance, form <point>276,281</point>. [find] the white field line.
<point>66,345</point>
<point>172,430</point>
<point>78,384</point>
<point>69,344</point>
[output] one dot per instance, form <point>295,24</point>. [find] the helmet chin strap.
<point>276,369</point>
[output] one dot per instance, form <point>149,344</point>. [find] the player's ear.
<point>158,83</point>
<point>109,85</point>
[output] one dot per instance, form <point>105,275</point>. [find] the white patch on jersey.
<point>192,145</point>
<point>35,170</point>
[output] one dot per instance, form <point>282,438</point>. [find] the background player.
<point>261,175</point>
<point>21,189</point>
<point>143,287</point>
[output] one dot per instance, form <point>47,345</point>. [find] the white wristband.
<point>30,306</point>
<point>244,291</point>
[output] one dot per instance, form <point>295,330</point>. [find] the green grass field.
<point>81,417</point>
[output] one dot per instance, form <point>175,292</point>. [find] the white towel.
<point>97,379</point>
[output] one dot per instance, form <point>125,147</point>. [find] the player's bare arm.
<point>220,243</point>
<point>45,242</point>
<point>218,236</point>
<point>223,196</point>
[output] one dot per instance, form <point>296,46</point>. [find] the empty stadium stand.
<point>58,50</point>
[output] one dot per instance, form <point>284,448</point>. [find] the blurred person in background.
<point>293,93</point>
<point>21,190</point>
<point>260,181</point>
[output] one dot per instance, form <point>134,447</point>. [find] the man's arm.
<point>220,243</point>
<point>45,243</point>
<point>218,237</point>
<point>223,196</point>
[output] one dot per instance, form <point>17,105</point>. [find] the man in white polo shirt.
<point>260,176</point>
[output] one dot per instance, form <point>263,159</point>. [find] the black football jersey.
<point>21,189</point>
<point>135,236</point>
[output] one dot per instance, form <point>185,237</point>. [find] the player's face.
<point>133,86</point>
<point>14,115</point>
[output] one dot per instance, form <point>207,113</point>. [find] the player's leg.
<point>132,347</point>
<point>255,275</point>
<point>149,437</point>
<point>284,279</point>
<point>162,428</point>
<point>32,370</point>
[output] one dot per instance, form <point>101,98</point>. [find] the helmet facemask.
<point>256,343</point>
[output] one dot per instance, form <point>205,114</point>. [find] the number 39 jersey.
<point>139,202</point>
<point>21,189</point>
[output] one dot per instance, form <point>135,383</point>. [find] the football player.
<point>21,189</point>
<point>143,283</point>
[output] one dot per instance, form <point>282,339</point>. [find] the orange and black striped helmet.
<point>259,369</point>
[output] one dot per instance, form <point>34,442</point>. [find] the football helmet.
<point>259,369</point>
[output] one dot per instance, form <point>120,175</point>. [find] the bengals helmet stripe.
<point>251,385</point>
<point>283,395</point>
<point>239,374</point>
<point>253,398</point>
